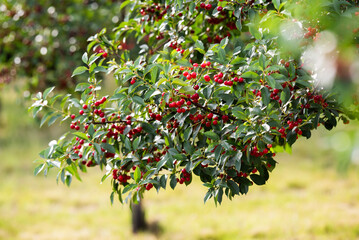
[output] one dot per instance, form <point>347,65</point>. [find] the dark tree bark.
<point>138,218</point>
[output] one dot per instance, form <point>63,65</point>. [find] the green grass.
<point>305,198</point>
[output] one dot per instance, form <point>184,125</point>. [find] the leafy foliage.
<point>44,40</point>
<point>208,94</point>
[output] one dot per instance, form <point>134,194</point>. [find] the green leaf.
<point>138,100</point>
<point>81,135</point>
<point>211,135</point>
<point>99,69</point>
<point>276,4</point>
<point>137,174</point>
<point>187,133</point>
<point>79,70</point>
<point>93,58</point>
<point>285,95</point>
<point>238,161</point>
<point>81,87</point>
<point>199,44</point>
<point>181,157</point>
<point>179,82</point>
<point>271,81</point>
<point>45,118</point>
<point>187,90</point>
<point>173,181</point>
<point>163,181</point>
<point>128,144</point>
<point>136,142</point>
<point>47,91</point>
<point>39,168</point>
<point>85,58</point>
<point>111,197</point>
<point>184,63</point>
<point>208,195</point>
<point>238,60</point>
<point>53,119</point>
<point>239,24</point>
<point>108,147</point>
<point>257,179</point>
<point>233,186</point>
<point>154,73</point>
<point>250,74</point>
<point>265,96</point>
<point>148,128</point>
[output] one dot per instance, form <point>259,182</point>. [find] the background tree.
<point>43,40</point>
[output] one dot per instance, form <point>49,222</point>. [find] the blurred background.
<point>312,194</point>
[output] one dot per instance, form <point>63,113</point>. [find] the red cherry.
<point>81,112</point>
<point>193,74</point>
<point>208,6</point>
<point>158,117</point>
<point>220,75</point>
<point>72,116</point>
<point>133,81</point>
<point>149,186</point>
<point>207,78</point>
<point>84,106</point>
<point>196,87</point>
<point>215,122</point>
<point>225,118</point>
<point>103,100</point>
<point>185,73</point>
<point>219,9</point>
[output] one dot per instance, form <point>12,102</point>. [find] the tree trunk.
<point>138,218</point>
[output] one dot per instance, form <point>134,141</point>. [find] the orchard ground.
<point>305,198</point>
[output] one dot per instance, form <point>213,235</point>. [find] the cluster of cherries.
<point>184,177</point>
<point>155,12</point>
<point>176,46</point>
<point>122,178</point>
<point>100,50</point>
<point>311,32</point>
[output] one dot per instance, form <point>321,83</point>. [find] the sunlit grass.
<point>305,198</point>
